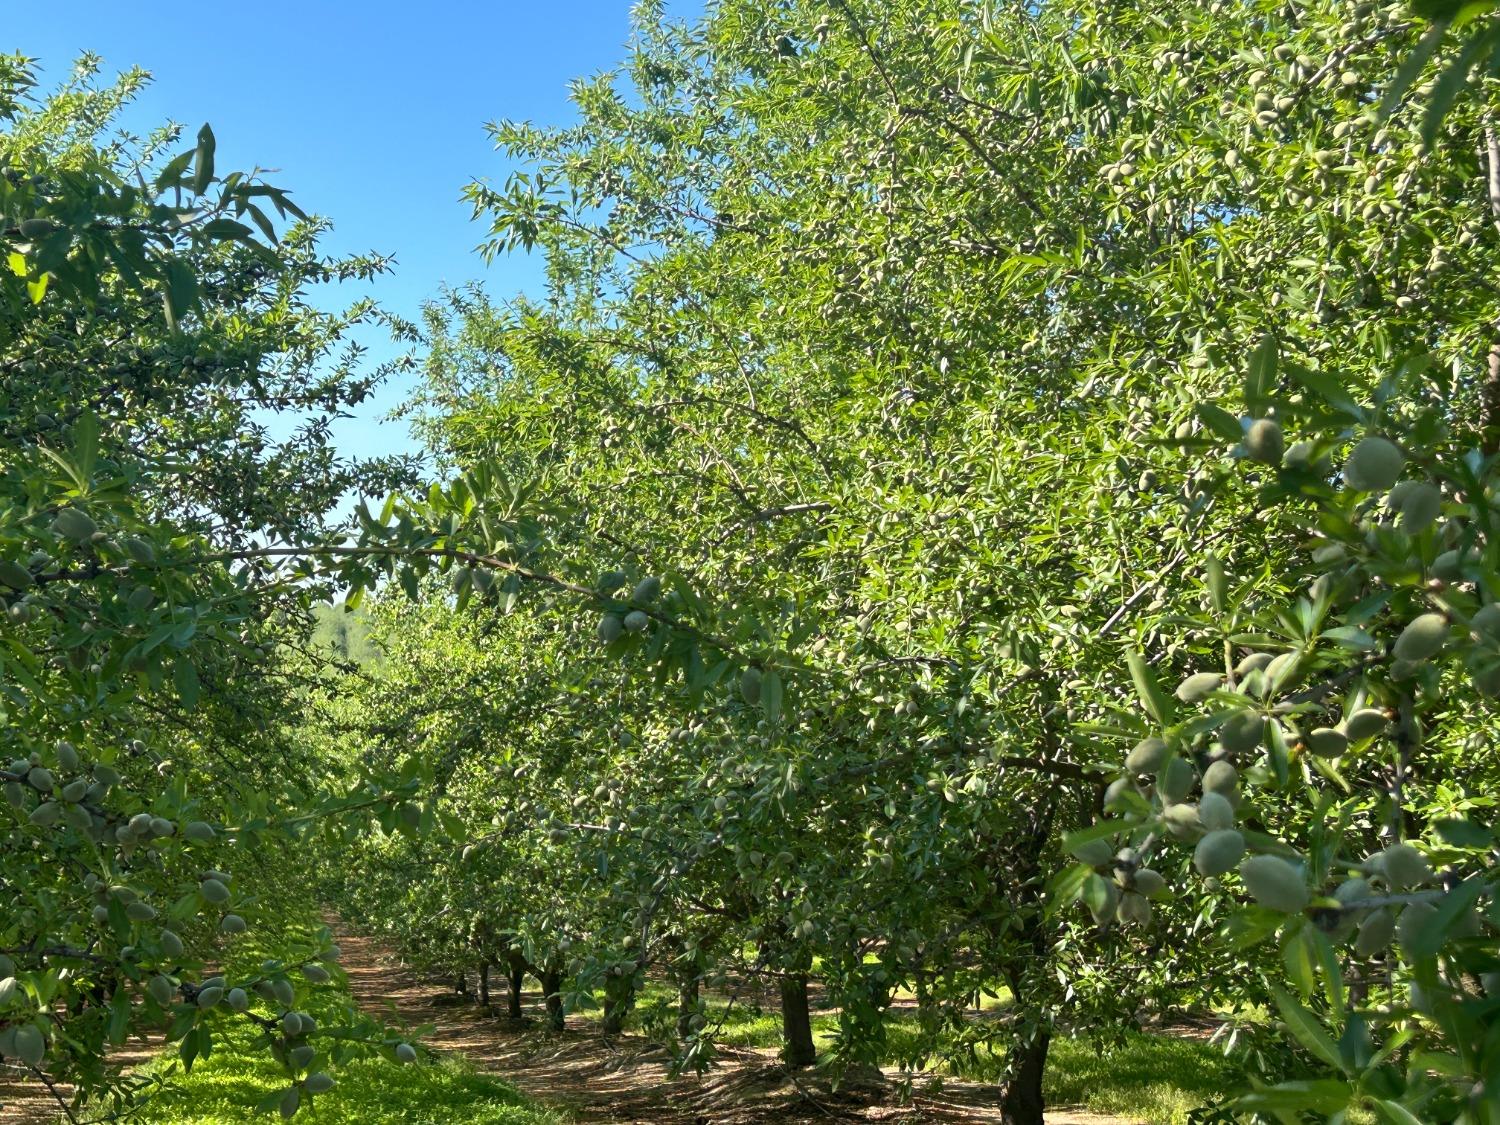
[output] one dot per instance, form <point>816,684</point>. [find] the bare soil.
<point>626,1081</point>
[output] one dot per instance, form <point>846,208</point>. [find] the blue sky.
<point>373,112</point>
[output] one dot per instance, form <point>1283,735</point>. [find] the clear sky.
<point>372,111</point>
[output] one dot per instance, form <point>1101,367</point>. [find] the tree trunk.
<point>1022,1102</point>
<point>687,1005</point>
<point>461,983</point>
<point>484,985</point>
<point>619,997</point>
<point>552,988</point>
<point>515,979</point>
<point>796,1022</point>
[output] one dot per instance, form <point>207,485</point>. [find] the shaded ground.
<point>26,1099</point>
<point>626,1081</point>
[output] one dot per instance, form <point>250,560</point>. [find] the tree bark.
<point>1022,1102</point>
<point>484,985</point>
<point>551,978</point>
<point>515,979</point>
<point>687,1005</point>
<point>796,1022</point>
<point>461,983</point>
<point>619,997</point>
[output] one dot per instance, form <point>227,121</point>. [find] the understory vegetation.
<point>994,499</point>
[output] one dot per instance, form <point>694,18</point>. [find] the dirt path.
<point>626,1082</point>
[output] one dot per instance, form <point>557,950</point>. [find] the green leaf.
<point>1321,1095</point>
<point>203,160</point>
<point>1158,704</point>
<point>1308,1030</point>
<point>1464,833</point>
<point>1394,1112</point>
<point>1431,937</point>
<point>1260,374</point>
<point>1221,422</point>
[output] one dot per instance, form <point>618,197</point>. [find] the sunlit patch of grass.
<point>226,1088</point>
<point>240,1074</point>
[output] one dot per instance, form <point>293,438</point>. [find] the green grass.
<point>239,1074</point>
<point>225,1089</point>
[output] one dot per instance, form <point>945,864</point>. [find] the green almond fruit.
<point>1422,639</point>
<point>1365,723</point>
<point>46,814</point>
<point>30,229</point>
<point>1115,794</point>
<point>283,991</point>
<point>1355,889</point>
<point>1420,508</point>
<point>750,680</point>
<point>7,1042</point>
<point>1219,852</point>
<point>1242,732</point>
<point>1149,883</point>
<point>231,924</point>
<point>198,832</point>
<point>291,1023</point>
<point>170,944</point>
<point>406,1053</point>
<point>316,973</point>
<point>646,590</point>
<point>140,551</point>
<point>1486,621</point>
<point>1255,662</point>
<point>1215,812</point>
<point>1095,853</point>
<point>76,816</point>
<point>1448,566</point>
<point>40,778</point>
<point>1199,686</point>
<point>636,621</point>
<point>8,989</point>
<point>73,524</point>
<point>1264,441</point>
<point>31,1045</point>
<point>1375,932</point>
<point>1415,918</point>
<point>238,999</point>
<point>14,575</point>
<point>1403,867</point>
<point>162,990</point>
<point>1326,742</point>
<point>214,891</point>
<point>1486,678</point>
<point>140,911</point>
<point>1148,756</point>
<point>75,790</point>
<point>208,997</point>
<point>1182,821</point>
<point>610,628</point>
<point>1134,910</point>
<point>1275,883</point>
<point>1374,465</point>
<point>67,756</point>
<point>1221,777</point>
<point>302,1054</point>
<point>318,1083</point>
<point>141,599</point>
<point>1104,912</point>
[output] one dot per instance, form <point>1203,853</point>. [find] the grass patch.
<point>226,1088</point>
<point>240,1073</point>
